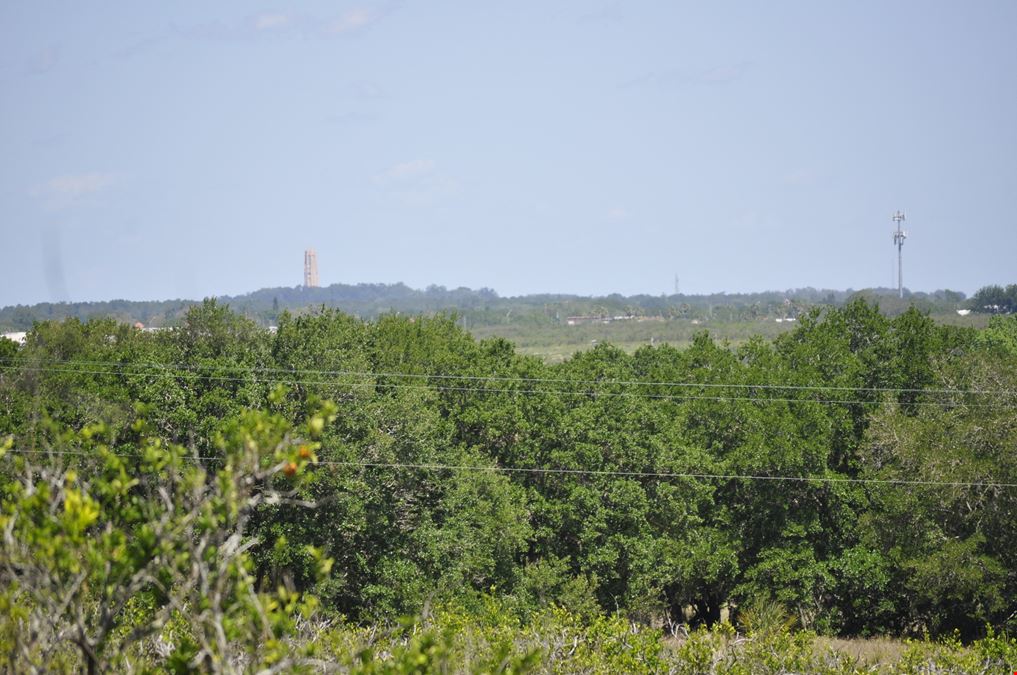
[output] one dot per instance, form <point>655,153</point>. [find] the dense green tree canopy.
<point>995,299</point>
<point>669,484</point>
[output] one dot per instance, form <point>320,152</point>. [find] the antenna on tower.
<point>677,289</point>
<point>898,239</point>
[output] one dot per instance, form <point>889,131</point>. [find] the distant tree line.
<point>481,307</point>
<point>995,300</point>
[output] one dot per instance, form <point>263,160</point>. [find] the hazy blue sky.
<point>185,149</point>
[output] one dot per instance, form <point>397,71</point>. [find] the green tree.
<point>995,299</point>
<point>117,548</point>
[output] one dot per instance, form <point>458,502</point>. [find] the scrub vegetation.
<point>396,495</point>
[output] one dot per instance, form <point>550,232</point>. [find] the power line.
<point>495,390</point>
<point>501,378</point>
<point>595,472</point>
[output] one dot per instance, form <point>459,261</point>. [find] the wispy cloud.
<point>44,60</point>
<point>617,213</point>
<point>684,77</point>
<point>69,189</point>
<point>366,90</point>
<point>801,177</point>
<point>417,182</point>
<point>216,31</point>
<point>50,141</point>
<point>414,168</point>
<point>138,46</point>
<point>270,21</point>
<point>78,185</point>
<point>722,74</point>
<point>611,12</point>
<point>348,23</point>
<point>352,117</point>
<point>352,20</point>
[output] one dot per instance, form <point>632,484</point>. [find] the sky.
<point>193,149</point>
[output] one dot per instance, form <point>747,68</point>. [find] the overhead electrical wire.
<point>493,390</point>
<point>501,378</point>
<point>426,466</point>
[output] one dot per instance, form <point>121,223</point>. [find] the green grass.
<point>557,343</point>
<point>879,653</point>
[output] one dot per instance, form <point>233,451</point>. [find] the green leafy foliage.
<point>853,471</point>
<point>107,553</point>
<point>995,299</point>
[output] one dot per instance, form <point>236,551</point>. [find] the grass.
<point>557,343</point>
<point>881,653</point>
<point>561,352</point>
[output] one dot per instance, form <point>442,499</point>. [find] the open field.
<point>554,344</point>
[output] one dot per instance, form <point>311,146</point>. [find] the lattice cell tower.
<point>310,269</point>
<point>898,239</point>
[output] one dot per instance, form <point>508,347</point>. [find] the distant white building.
<point>18,337</point>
